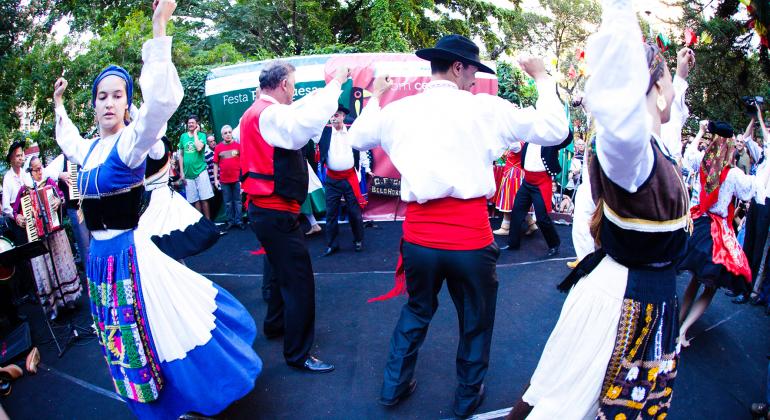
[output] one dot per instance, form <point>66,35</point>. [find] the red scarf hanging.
<point>352,178</point>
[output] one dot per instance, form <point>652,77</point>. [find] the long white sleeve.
<point>616,97</point>
<point>162,93</point>
<point>54,168</point>
<point>291,126</point>
<point>365,133</point>
<point>545,124</point>
<point>7,190</point>
<point>671,132</point>
<point>68,138</point>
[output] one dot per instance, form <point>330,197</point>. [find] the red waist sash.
<point>449,224</point>
<point>275,202</point>
<point>544,183</point>
<point>350,176</point>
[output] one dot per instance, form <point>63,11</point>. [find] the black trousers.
<point>336,189</point>
<point>529,196</point>
<point>472,283</point>
<point>291,301</point>
<point>22,284</point>
<point>757,224</point>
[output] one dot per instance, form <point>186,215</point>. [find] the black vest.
<point>647,226</point>
<point>549,155</point>
<point>118,211</point>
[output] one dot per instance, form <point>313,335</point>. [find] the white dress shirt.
<point>444,140</point>
<point>292,126</point>
<point>162,93</point>
<point>617,99</point>
<point>340,157</point>
<point>12,183</point>
<point>533,161</point>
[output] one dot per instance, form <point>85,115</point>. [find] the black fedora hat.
<point>721,129</point>
<point>455,48</point>
<point>15,145</point>
<point>341,108</point>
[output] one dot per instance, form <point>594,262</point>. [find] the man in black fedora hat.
<point>446,231</point>
<point>341,162</point>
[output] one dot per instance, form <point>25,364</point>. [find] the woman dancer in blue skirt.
<point>170,336</point>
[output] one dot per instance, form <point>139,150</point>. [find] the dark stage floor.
<point>720,374</point>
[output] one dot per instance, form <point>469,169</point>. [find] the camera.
<point>750,103</point>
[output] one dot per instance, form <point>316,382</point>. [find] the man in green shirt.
<point>192,167</point>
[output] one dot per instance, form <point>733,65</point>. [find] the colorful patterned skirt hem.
<point>509,185</point>
<point>169,336</point>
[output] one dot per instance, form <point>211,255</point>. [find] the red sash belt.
<point>275,202</point>
<point>350,176</point>
<point>544,183</point>
<point>449,224</point>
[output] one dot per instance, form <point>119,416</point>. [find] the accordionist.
<point>56,276</point>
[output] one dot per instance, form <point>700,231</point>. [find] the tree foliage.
<point>727,68</point>
<point>210,33</point>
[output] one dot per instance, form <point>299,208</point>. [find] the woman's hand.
<point>20,220</point>
<point>162,12</point>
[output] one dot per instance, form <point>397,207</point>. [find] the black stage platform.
<point>720,374</point>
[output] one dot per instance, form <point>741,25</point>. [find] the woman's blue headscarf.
<point>114,70</point>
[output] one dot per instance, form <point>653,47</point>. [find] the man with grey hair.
<point>275,178</point>
<point>227,173</point>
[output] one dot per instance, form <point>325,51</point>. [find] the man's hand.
<point>381,85</point>
<point>533,66</point>
<point>703,124</point>
<point>58,92</point>
<point>685,61</point>
<point>162,12</point>
<point>217,184</point>
<point>342,74</point>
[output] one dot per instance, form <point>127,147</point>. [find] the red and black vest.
<point>268,170</point>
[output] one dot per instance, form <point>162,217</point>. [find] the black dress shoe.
<point>474,406</point>
<point>329,251</point>
<point>404,395</point>
<point>359,246</point>
<point>759,409</point>
<point>741,299</point>
<point>314,365</point>
<point>552,252</point>
<point>731,293</point>
<point>756,300</point>
<point>508,248</point>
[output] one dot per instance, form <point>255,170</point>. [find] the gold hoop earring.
<point>661,103</point>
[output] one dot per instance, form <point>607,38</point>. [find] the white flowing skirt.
<point>569,377</point>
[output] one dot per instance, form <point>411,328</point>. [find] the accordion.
<point>32,210</point>
<point>72,171</point>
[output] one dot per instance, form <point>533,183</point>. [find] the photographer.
<point>758,217</point>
